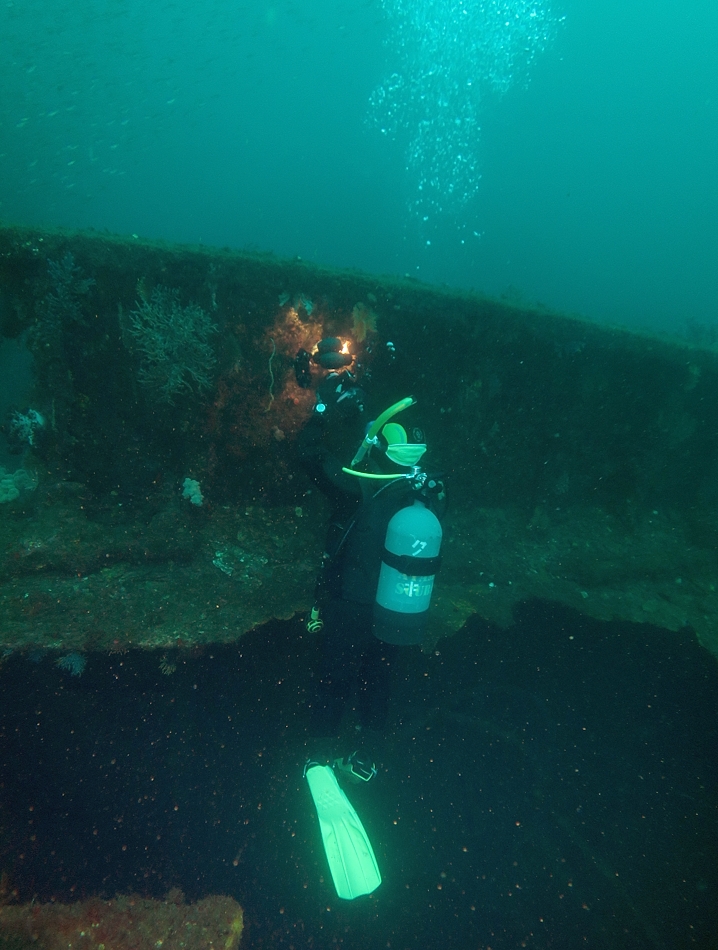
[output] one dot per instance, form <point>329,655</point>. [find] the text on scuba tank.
<point>414,586</point>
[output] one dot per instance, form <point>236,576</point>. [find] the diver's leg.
<point>378,662</point>
<point>338,669</point>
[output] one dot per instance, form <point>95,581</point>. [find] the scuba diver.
<point>381,555</point>
<point>374,587</point>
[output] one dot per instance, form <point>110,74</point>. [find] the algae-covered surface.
<point>180,577</point>
<point>125,923</point>
<point>581,461</point>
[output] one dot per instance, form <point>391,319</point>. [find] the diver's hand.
<point>339,392</point>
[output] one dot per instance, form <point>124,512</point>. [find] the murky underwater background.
<point>550,785</point>
<point>557,789</point>
<point>553,150</point>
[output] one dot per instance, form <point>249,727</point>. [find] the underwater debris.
<point>24,426</point>
<point>12,483</point>
<point>167,667</point>
<point>192,491</point>
<point>62,304</point>
<point>119,647</point>
<point>363,322</point>
<point>304,302</point>
<point>271,375</point>
<point>220,561</point>
<point>73,663</point>
<point>59,312</point>
<point>298,302</point>
<point>172,342</point>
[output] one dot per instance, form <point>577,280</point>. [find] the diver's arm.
<point>320,464</point>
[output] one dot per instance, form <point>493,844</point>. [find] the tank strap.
<point>412,566</point>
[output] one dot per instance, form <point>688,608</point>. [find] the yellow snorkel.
<point>370,438</point>
<point>351,471</point>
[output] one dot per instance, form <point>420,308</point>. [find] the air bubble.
<point>450,58</point>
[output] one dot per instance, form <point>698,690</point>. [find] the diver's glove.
<point>314,622</point>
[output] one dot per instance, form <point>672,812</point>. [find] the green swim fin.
<point>348,849</point>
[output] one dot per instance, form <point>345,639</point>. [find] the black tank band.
<point>412,566</point>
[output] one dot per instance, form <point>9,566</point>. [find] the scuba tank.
<point>408,565</point>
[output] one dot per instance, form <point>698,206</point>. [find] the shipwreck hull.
<point>582,460</point>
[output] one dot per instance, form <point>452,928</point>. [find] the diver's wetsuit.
<point>351,654</point>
